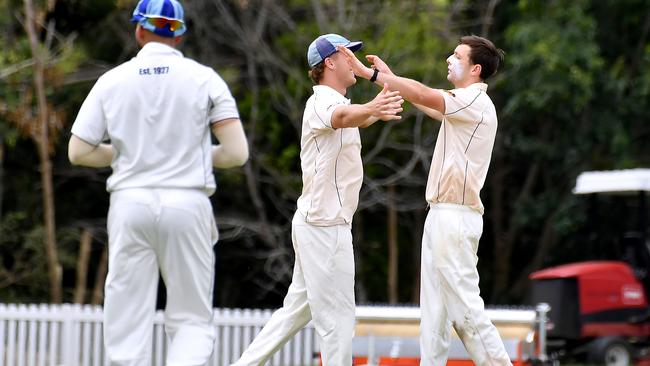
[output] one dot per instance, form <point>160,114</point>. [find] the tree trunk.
<point>361,293</point>
<point>393,250</point>
<point>504,242</point>
<point>50,227</point>
<point>250,169</point>
<point>488,17</point>
<point>42,140</point>
<point>497,215</point>
<point>2,172</point>
<point>546,242</point>
<point>100,279</point>
<point>82,265</point>
<point>418,230</point>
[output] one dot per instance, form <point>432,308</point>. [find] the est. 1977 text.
<point>159,70</point>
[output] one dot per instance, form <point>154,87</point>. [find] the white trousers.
<point>449,293</point>
<point>166,230</point>
<point>322,289</point>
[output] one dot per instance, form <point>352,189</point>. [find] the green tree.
<point>570,96</point>
<point>33,68</point>
<point>564,109</point>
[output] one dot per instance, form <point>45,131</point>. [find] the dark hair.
<point>316,72</point>
<point>484,53</point>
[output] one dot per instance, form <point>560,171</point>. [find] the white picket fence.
<point>71,335</point>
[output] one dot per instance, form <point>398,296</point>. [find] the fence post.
<point>11,334</point>
<point>69,342</point>
<point>42,335</point>
<point>21,337</point>
<point>3,310</point>
<point>71,335</point>
<point>542,309</point>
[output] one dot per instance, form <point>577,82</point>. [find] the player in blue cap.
<point>322,287</point>
<point>157,110</point>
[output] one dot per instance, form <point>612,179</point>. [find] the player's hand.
<point>357,66</point>
<point>387,105</point>
<point>379,64</point>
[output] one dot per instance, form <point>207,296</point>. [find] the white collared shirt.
<point>332,171</point>
<point>464,148</point>
<point>157,110</point>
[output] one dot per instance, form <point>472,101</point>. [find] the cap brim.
<point>354,46</point>
<point>136,18</point>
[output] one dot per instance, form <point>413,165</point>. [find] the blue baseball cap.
<point>162,17</point>
<point>325,45</point>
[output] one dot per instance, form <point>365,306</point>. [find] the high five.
<point>450,281</point>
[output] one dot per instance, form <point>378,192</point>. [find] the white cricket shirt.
<point>332,171</point>
<point>157,110</point>
<point>464,147</point>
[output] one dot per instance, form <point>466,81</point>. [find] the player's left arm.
<point>232,150</point>
<point>82,153</point>
<point>434,114</point>
<point>385,106</point>
<point>411,90</point>
<point>369,122</point>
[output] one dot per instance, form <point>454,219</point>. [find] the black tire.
<point>610,351</point>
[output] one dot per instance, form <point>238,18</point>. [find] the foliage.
<point>570,96</point>
<point>22,260</point>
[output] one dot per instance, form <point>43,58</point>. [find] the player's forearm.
<point>225,157</point>
<point>434,114</point>
<point>233,148</point>
<point>85,154</point>
<point>355,115</point>
<point>411,90</point>
<point>369,122</point>
<point>100,157</point>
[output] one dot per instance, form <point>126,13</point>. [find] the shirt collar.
<point>157,48</point>
<point>329,91</point>
<point>481,86</point>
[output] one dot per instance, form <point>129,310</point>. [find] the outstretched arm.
<point>232,150</point>
<point>82,153</point>
<point>385,106</point>
<point>432,113</point>
<point>413,91</point>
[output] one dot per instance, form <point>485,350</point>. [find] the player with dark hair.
<point>450,293</point>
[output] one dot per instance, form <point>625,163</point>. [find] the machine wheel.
<point>610,351</point>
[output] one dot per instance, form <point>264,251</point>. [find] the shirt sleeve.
<point>462,105</point>
<point>321,115</point>
<point>223,105</point>
<point>90,124</point>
